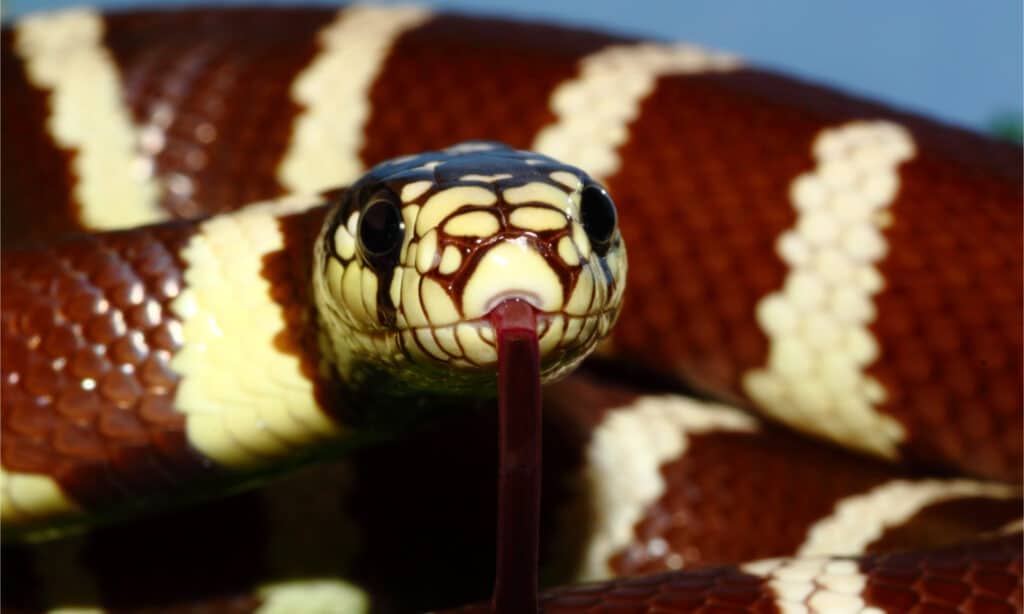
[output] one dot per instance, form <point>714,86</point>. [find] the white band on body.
<point>595,108</point>
<point>334,91</point>
<point>817,323</point>
<point>65,56</point>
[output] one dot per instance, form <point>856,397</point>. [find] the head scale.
<point>419,250</point>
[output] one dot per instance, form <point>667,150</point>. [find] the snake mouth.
<point>564,339</point>
<point>523,296</point>
<point>544,320</point>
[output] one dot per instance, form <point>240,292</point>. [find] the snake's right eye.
<point>381,228</point>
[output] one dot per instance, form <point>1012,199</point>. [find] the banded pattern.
<point>881,583</point>
<point>742,193</point>
<point>817,324</point>
<point>626,457</point>
<point>351,524</point>
<point>64,54</point>
<point>120,387</point>
<point>704,327</point>
<point>873,585</point>
<point>246,403</point>
<point>165,60</point>
<point>670,481</point>
<point>88,388</point>
<point>619,76</point>
<point>323,151</point>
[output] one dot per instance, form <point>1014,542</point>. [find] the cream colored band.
<point>319,595</point>
<point>818,323</point>
<point>334,92</point>
<point>246,402</point>
<point>27,496</point>
<point>593,110</point>
<point>64,55</point>
<point>624,463</point>
<point>821,585</point>
<point>859,520</point>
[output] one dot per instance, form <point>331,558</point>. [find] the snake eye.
<point>381,228</point>
<point>599,217</point>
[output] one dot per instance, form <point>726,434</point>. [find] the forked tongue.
<point>519,434</point>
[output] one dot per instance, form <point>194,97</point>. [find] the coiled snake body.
<point>847,270</point>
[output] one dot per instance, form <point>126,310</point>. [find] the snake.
<point>248,255</point>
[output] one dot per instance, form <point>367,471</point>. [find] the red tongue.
<point>515,586</point>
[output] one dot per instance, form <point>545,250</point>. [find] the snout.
<point>512,269</point>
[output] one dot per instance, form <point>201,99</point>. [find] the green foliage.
<point>1009,126</point>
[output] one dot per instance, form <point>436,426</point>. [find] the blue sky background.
<point>958,61</point>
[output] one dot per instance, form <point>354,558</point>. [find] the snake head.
<point>420,250</point>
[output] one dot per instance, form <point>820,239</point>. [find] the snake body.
<point>849,271</point>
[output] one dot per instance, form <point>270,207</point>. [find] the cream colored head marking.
<point>419,251</point>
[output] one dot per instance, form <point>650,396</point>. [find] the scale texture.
<point>843,270</point>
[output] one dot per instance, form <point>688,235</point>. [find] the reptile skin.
<point>743,195</point>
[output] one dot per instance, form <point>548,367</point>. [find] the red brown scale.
<point>953,521</point>
<point>212,84</point>
<point>979,577</point>
<point>409,560</point>
<point>289,273</point>
<point>738,496</point>
<point>743,137</point>
<point>702,214</point>
<point>776,487</point>
<point>950,316</point>
<point>205,84</point>
<point>88,391</point>
<point>460,78</point>
<point>715,590</point>
<point>35,174</point>
<point>707,167</point>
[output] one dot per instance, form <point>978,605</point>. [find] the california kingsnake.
<point>781,237</point>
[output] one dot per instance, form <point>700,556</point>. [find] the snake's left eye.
<point>599,217</point>
<point>381,227</point>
